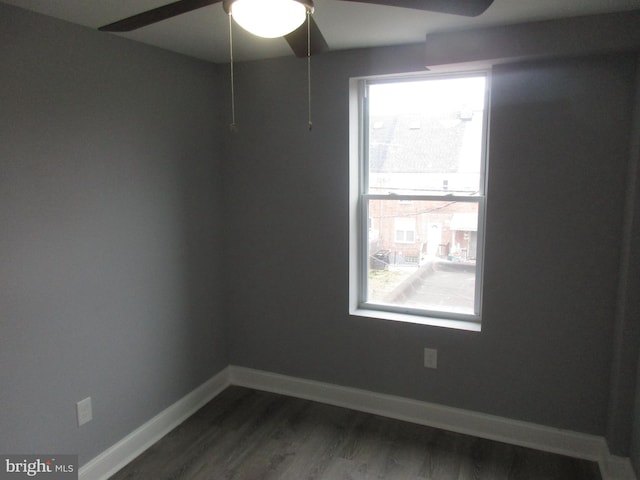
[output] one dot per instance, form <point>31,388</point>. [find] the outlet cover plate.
<point>430,358</point>
<point>84,411</point>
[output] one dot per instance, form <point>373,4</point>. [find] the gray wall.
<point>558,160</point>
<point>631,300</point>
<point>118,280</point>
<point>635,440</point>
<point>624,424</point>
<point>110,233</point>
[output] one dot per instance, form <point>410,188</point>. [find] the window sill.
<point>466,325</point>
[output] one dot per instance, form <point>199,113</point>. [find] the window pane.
<point>423,254</point>
<point>426,136</point>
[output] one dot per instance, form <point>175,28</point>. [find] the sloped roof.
<point>415,143</point>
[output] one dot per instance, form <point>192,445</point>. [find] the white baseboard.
<point>123,452</point>
<point>574,444</point>
<point>578,445</point>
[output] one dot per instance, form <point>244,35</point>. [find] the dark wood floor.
<point>244,434</point>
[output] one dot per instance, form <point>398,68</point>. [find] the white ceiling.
<point>204,33</point>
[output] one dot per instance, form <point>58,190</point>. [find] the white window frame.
<point>358,214</point>
<point>409,227</point>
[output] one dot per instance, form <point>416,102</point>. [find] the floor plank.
<point>245,434</point>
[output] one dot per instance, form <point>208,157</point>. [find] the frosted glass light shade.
<point>269,18</point>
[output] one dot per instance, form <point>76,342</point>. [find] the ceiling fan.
<point>305,39</point>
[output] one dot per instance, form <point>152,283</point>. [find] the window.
<point>418,174</point>
<point>405,228</point>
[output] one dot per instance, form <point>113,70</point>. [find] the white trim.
<point>564,442</point>
<point>117,456</point>
<point>458,324</point>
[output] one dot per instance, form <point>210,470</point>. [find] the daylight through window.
<point>420,202</point>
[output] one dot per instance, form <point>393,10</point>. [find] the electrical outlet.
<point>84,411</point>
<point>430,358</point>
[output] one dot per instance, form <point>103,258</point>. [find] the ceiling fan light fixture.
<point>269,18</point>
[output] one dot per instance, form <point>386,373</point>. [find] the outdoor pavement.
<point>439,285</point>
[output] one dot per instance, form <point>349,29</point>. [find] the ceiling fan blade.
<point>156,15</point>
<point>297,40</point>
<point>467,8</point>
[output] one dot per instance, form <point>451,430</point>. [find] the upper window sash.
<point>441,183</point>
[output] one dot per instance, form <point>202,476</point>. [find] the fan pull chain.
<point>309,66</point>
<point>233,126</point>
